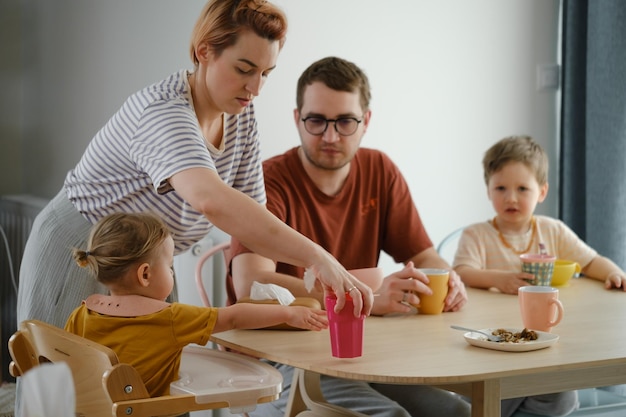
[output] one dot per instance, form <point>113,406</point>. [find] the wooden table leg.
<point>486,399</point>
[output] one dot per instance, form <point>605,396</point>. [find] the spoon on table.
<point>491,337</point>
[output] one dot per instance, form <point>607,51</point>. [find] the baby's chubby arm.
<point>257,316</point>
<point>603,269</point>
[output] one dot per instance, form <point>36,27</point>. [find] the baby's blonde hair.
<point>119,241</point>
<point>516,149</point>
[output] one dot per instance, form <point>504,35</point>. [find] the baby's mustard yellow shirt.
<point>153,343</point>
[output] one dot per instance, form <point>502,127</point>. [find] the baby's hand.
<point>307,318</point>
<point>510,283</point>
<point>615,280</point>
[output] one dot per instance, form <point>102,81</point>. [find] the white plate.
<point>544,340</point>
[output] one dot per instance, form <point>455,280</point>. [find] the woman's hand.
<point>334,278</point>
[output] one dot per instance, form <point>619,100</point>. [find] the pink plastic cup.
<point>346,331</point>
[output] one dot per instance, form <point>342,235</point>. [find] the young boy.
<point>132,255</point>
<point>516,174</point>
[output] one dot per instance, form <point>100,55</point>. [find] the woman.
<point>187,149</point>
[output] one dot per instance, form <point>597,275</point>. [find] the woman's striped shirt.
<point>153,136</point>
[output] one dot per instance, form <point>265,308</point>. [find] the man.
<point>355,203</point>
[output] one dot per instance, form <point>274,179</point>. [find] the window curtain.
<point>593,132</point>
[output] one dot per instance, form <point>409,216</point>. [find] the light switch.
<point>548,77</point>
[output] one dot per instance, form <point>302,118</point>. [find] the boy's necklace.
<point>533,225</point>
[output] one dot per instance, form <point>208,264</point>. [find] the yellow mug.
<point>563,271</point>
<point>438,283</point>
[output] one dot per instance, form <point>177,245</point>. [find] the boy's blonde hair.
<point>516,149</point>
<point>120,241</point>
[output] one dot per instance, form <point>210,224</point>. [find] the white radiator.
<point>17,213</point>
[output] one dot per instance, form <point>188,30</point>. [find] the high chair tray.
<point>213,375</point>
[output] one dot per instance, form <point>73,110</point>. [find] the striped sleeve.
<point>167,142</point>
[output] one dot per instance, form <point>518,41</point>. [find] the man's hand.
<point>400,290</point>
<point>457,295</point>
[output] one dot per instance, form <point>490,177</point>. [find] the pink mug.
<point>540,307</point>
<point>346,330</point>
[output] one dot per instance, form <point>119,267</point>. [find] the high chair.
<point>105,387</point>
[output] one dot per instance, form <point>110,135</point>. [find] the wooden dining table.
<point>423,349</point>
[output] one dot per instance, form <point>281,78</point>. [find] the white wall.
<point>449,78</point>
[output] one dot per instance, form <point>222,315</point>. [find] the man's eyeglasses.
<point>345,126</point>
